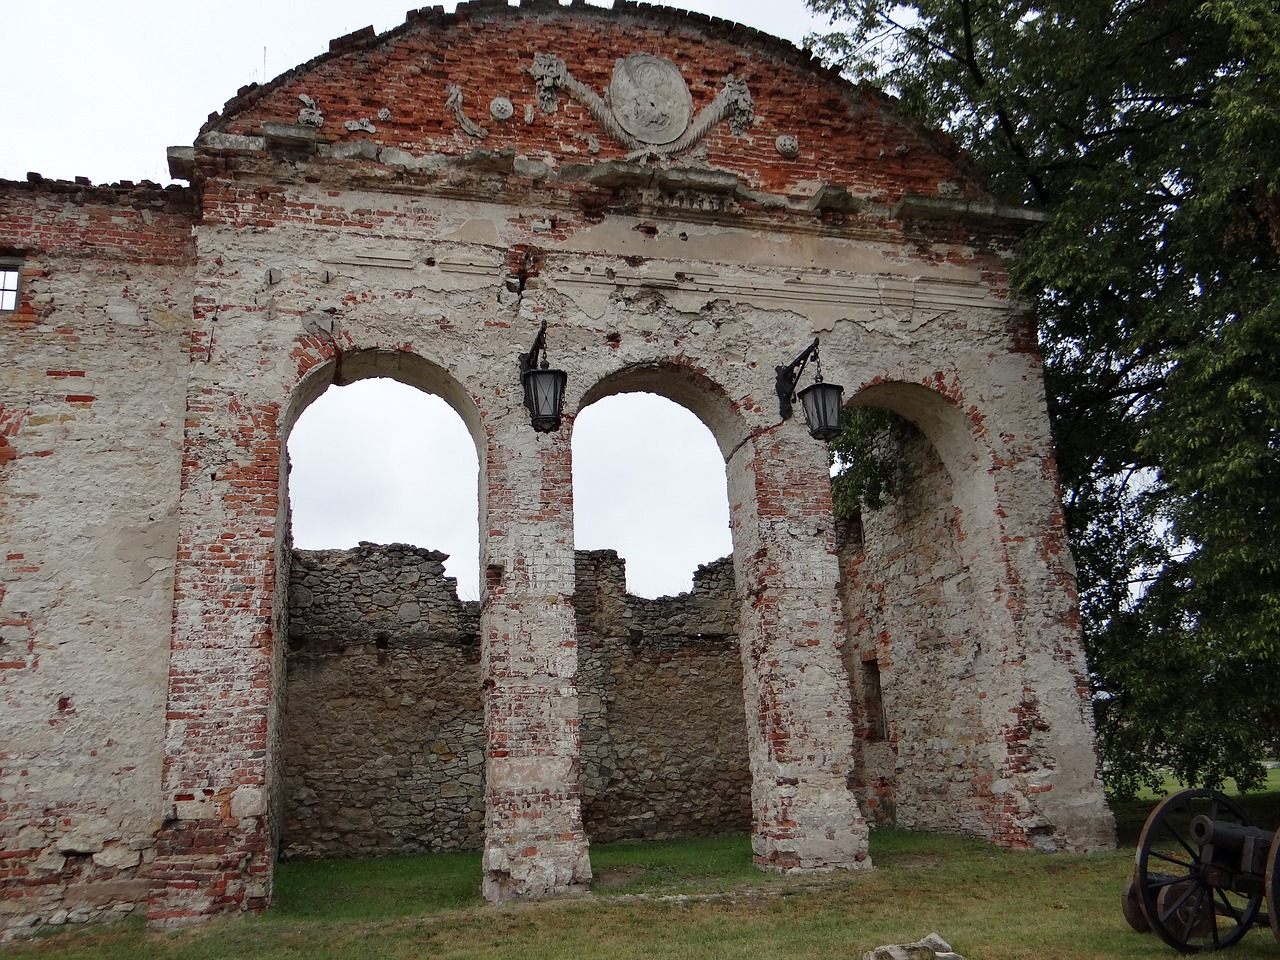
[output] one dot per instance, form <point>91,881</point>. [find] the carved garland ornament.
<point>649,109</point>
<point>454,102</point>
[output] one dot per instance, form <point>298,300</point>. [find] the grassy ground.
<point>696,899</point>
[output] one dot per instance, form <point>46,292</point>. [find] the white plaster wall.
<point>88,536</point>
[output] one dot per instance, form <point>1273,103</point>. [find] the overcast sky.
<point>100,90</point>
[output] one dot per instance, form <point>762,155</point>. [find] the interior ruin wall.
<point>911,651</point>
<point>383,745</point>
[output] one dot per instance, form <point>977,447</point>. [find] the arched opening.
<point>649,482</point>
<point>663,729</point>
<point>381,746</point>
<point>384,462</point>
<point>905,506</point>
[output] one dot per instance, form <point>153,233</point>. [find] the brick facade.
<point>468,179</point>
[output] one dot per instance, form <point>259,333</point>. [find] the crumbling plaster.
<point>310,252</point>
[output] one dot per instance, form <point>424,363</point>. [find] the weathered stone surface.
<point>926,675</point>
<point>165,342</point>
<point>383,746</point>
<point>932,947</point>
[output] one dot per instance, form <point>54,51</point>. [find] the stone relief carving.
<point>500,108</point>
<point>650,98</point>
<point>788,146</point>
<point>649,110</point>
<point>384,114</point>
<point>309,115</point>
<point>454,103</point>
<point>364,123</point>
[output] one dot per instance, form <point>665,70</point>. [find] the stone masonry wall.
<point>664,741</point>
<point>910,655</point>
<point>383,748</point>
<point>383,741</point>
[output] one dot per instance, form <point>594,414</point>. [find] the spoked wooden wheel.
<point>1272,885</point>
<point>1185,910</point>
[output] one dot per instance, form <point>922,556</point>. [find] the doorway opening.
<point>663,728</point>
<point>382,743</point>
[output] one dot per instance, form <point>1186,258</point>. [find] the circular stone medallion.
<point>500,108</point>
<point>650,98</point>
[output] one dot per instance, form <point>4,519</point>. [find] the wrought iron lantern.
<point>822,402</point>
<point>543,387</point>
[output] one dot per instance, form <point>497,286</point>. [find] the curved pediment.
<point>615,95</point>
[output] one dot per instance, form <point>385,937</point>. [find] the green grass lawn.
<point>688,899</point>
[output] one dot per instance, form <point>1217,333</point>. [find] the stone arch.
<point>682,384</point>
<point>785,573</point>
<point>958,442</point>
<point>938,639</point>
<point>421,773</point>
<point>404,366</point>
<point>912,620</point>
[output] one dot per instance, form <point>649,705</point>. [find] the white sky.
<point>102,89</point>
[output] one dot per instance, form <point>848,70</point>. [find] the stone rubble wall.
<point>664,740</point>
<point>383,739</point>
<point>383,746</point>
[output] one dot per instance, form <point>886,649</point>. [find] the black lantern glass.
<point>544,396</point>
<point>822,401</point>
<point>822,404</point>
<point>543,388</point>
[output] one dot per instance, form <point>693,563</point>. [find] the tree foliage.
<point>863,452</point>
<point>1150,130</point>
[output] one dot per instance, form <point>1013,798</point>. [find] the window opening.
<point>9,273</point>
<point>873,700</point>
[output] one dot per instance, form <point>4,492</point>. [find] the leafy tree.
<point>1150,130</point>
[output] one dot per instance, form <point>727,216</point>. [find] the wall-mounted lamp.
<point>543,388</point>
<point>822,402</point>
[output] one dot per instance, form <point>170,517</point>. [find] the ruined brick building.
<point>686,203</point>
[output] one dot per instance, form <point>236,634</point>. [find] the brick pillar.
<point>799,730</point>
<point>214,849</point>
<point>1046,792</point>
<point>534,841</point>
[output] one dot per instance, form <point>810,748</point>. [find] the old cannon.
<point>1202,873</point>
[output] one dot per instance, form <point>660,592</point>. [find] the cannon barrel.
<point>1227,835</point>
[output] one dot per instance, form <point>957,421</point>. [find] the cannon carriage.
<point>1203,873</point>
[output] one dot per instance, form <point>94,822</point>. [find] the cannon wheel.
<point>1184,910</point>
<point>1272,885</point>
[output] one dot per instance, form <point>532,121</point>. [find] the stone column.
<point>214,848</point>
<point>799,731</point>
<point>534,840</point>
